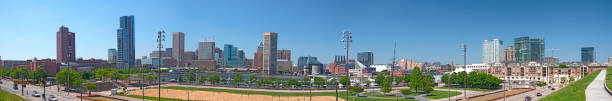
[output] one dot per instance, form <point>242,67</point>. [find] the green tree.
<point>398,80</point>
<point>306,81</point>
<point>562,66</point>
<point>202,78</point>
<point>428,83</point>
<point>292,82</point>
<point>319,81</point>
<point>571,79</point>
<point>406,79</point>
<point>66,77</point>
<point>180,79</point>
<point>213,79</point>
<point>191,76</point>
<point>237,79</point>
<point>386,85</point>
<point>416,81</point>
<point>252,79</point>
<point>368,82</point>
<point>333,82</point>
<point>563,79</point>
<point>379,79</point>
<point>345,81</point>
<point>40,74</point>
<point>278,82</point>
<point>90,87</point>
<point>78,83</point>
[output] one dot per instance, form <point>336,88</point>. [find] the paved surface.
<point>596,90</point>
<point>460,96</point>
<point>51,90</point>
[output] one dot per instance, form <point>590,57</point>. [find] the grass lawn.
<point>472,89</point>
<point>609,77</point>
<point>441,94</point>
<point>574,91</point>
<point>6,96</point>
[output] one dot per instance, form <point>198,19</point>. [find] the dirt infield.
<point>224,96</point>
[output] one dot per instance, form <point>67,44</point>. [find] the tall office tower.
<point>112,55</point>
<point>283,54</point>
<point>366,58</point>
<point>178,47</point>
<point>65,45</point>
<point>258,56</point>
<point>125,42</point>
<point>188,57</point>
<point>610,60</point>
<point>232,56</point>
<point>269,52</point>
<point>587,54</point>
<point>492,51</point>
<point>206,50</point>
<point>527,50</point>
<point>509,54</point>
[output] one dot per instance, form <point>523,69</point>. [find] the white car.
<point>35,94</point>
<point>52,98</point>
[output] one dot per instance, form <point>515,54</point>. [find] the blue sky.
<point>425,30</point>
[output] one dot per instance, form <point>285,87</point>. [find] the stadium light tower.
<point>161,37</point>
<point>347,39</point>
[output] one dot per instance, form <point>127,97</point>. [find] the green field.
<point>6,96</point>
<point>609,77</point>
<point>472,89</point>
<point>342,95</point>
<point>574,91</point>
<point>441,94</point>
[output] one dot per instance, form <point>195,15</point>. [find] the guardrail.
<point>606,87</point>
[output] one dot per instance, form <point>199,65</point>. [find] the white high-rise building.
<point>492,51</point>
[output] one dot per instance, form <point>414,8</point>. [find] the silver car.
<point>52,98</point>
<point>35,94</point>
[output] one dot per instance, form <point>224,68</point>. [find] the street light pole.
<point>465,70</point>
<point>161,36</point>
<point>347,38</point>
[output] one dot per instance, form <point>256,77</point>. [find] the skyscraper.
<point>587,54</point>
<point>125,42</point>
<point>206,50</point>
<point>258,55</point>
<point>112,55</point>
<point>178,47</point>
<point>269,52</point>
<point>492,51</point>
<point>610,60</point>
<point>366,58</point>
<point>283,54</point>
<point>65,45</point>
<point>232,56</point>
<point>527,50</point>
<point>509,54</point>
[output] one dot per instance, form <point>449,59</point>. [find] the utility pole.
<point>465,70</point>
<point>392,65</point>
<point>347,38</point>
<point>161,36</point>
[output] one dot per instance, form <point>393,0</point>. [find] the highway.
<point>51,90</point>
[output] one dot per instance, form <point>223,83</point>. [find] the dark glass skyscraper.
<point>588,54</point>
<point>526,49</point>
<point>125,42</point>
<point>232,56</point>
<point>366,58</point>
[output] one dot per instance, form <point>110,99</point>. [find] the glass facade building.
<point>125,42</point>
<point>366,58</point>
<point>527,49</point>
<point>269,52</point>
<point>587,54</point>
<point>232,56</point>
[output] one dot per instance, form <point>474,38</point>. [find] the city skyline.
<point>316,36</point>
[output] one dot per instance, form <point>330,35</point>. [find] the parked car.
<point>553,89</point>
<point>539,94</point>
<point>35,94</point>
<point>52,98</point>
<point>527,98</point>
<point>15,86</point>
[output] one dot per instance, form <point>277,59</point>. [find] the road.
<point>51,90</point>
<point>596,90</point>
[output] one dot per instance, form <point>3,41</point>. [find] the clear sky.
<point>425,30</point>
